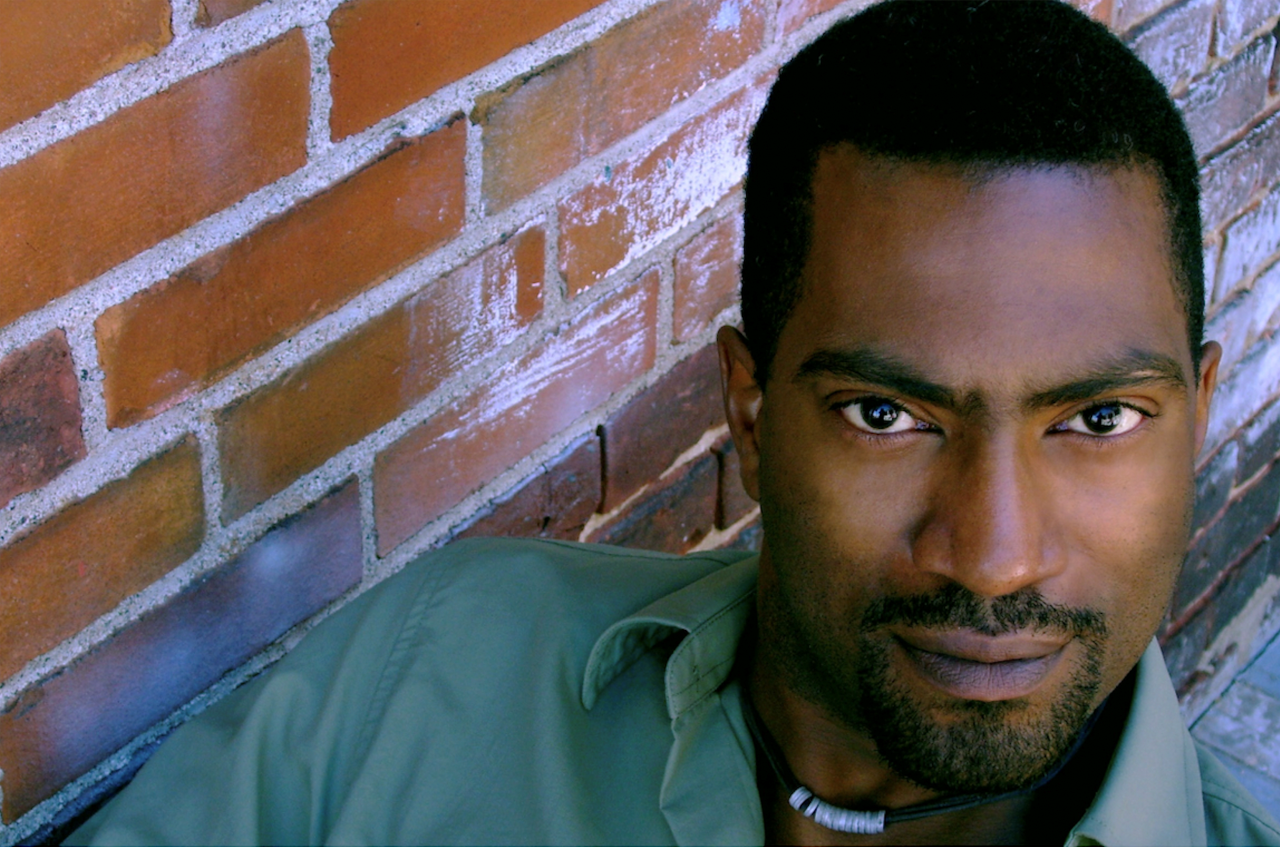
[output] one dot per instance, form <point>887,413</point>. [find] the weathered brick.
<point>539,127</point>
<point>214,12</point>
<point>632,207</point>
<point>556,502</point>
<point>674,517</point>
<point>39,415</point>
<point>1214,483</point>
<point>706,276</point>
<point>1245,523</point>
<point>1239,587</point>
<point>1252,241</point>
<point>64,726</point>
<point>54,48</point>
<point>792,14</point>
<point>1232,178</point>
<point>435,465</point>
<point>643,438</point>
<point>732,501</point>
<point>748,538</point>
<point>390,53</point>
<point>1238,19</point>
<point>1224,102</point>
<point>1176,44</point>
<point>1184,649</point>
<point>54,583</point>
<point>167,342</point>
<point>1128,13</point>
<point>1245,318</point>
<point>295,424</point>
<point>1100,10</point>
<point>87,203</point>
<point>1259,441</point>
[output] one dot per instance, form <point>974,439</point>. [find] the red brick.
<point>1175,46</point>
<point>556,502</point>
<point>168,342</point>
<point>295,424</point>
<point>732,501</point>
<point>644,437</point>
<point>706,280</point>
<point>55,583</point>
<point>64,726</point>
<point>214,12</point>
<point>673,518</point>
<point>1224,102</point>
<point>577,368</point>
<point>792,14</point>
<point>39,415</point>
<point>1229,180</point>
<point>1238,19</point>
<point>634,206</point>
<point>89,202</point>
<point>539,127</point>
<point>390,53</point>
<point>54,48</point>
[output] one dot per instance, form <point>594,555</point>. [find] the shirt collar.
<point>1151,793</point>
<point>713,611</point>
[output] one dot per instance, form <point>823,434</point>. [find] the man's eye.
<point>878,415</point>
<point>1106,419</point>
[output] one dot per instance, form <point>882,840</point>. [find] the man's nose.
<point>990,526</point>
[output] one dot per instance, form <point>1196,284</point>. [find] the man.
<point>968,399</point>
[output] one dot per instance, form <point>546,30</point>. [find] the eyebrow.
<point>873,367</point>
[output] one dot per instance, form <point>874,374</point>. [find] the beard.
<point>971,746</point>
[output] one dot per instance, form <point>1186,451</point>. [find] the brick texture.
<point>673,518</point>
<point>389,53</point>
<point>54,48</point>
<point>1176,45</point>
<point>1238,19</point>
<point>539,127</point>
<point>435,465</point>
<point>1252,240</point>
<point>1229,98</point>
<point>63,726</point>
<point>792,14</point>
<point>78,208</point>
<point>173,339</point>
<point>644,437</point>
<point>632,207</point>
<point>214,12</point>
<point>706,276</point>
<point>556,502</point>
<point>335,399</point>
<point>39,415</point>
<point>140,527</point>
<point>1229,180</point>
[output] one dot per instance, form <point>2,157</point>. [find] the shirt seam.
<point>1233,804</point>
<point>698,674</point>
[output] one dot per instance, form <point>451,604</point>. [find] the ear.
<point>743,398</point>
<point>1210,356</point>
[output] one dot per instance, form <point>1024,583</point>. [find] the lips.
<point>970,666</point>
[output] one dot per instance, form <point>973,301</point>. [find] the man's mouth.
<point>971,666</point>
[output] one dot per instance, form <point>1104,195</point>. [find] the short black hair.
<point>976,84</point>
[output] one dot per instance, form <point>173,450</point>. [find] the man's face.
<point>974,458</point>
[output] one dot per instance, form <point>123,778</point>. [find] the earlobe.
<point>1210,356</point>
<point>743,399</point>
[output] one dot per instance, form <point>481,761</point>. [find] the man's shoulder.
<point>1232,815</point>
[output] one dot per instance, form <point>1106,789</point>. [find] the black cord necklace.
<point>834,817</point>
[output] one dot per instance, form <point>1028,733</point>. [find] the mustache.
<point>955,607</point>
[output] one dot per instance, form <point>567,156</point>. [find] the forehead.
<point>1016,274</point>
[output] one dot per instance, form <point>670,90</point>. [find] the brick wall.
<point>291,291</point>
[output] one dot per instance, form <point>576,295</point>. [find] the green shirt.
<point>501,691</point>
